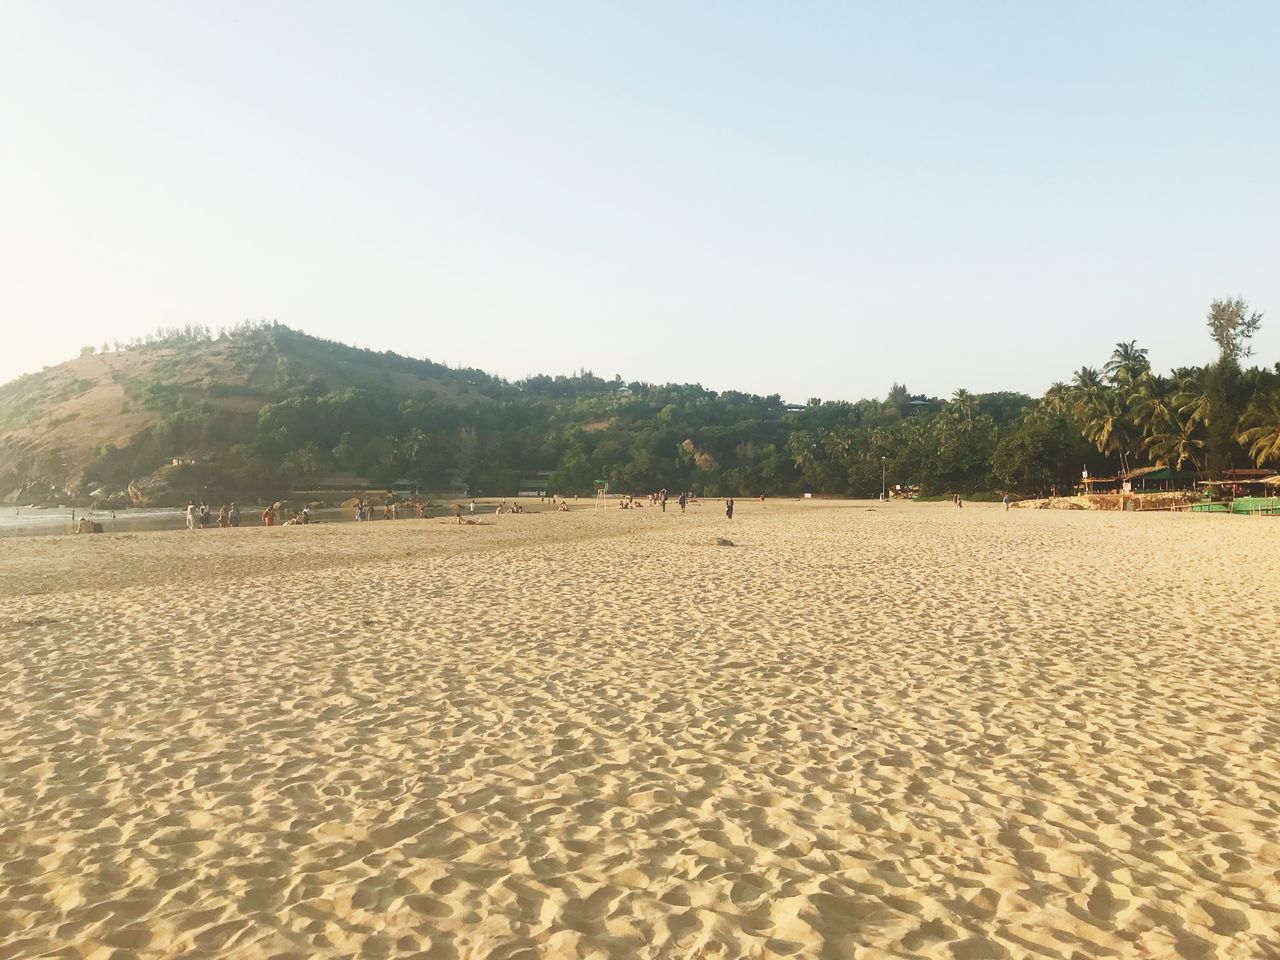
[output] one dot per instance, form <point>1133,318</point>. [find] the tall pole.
<point>882,485</point>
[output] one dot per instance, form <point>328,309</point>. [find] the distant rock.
<point>722,542</point>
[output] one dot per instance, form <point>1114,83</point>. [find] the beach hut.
<point>1160,478</point>
<point>1090,485</point>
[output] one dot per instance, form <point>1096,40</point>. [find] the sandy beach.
<point>863,731</point>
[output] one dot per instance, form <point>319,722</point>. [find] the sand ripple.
<point>901,731</point>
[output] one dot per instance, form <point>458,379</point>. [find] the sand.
<point>864,731</point>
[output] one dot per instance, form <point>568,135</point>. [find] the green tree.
<point>1261,433</point>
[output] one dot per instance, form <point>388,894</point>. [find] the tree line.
<point>331,408</point>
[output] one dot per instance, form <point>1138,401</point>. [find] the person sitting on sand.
<point>85,525</point>
<point>564,507</point>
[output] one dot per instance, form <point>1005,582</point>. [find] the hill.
<point>262,410</point>
<point>106,420</point>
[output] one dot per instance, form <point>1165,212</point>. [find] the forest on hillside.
<point>355,417</point>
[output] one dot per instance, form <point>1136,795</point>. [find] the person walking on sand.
<point>728,507</point>
<point>191,515</point>
<point>224,517</point>
<point>1006,503</point>
<point>233,516</point>
<point>473,508</point>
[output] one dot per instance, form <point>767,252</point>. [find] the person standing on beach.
<point>191,515</point>
<point>224,517</point>
<point>683,501</point>
<point>1006,503</point>
<point>473,508</point>
<point>233,515</point>
<point>728,507</point>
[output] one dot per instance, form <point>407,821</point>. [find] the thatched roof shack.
<point>1239,481</point>
<point>1090,485</point>
<point>1251,475</point>
<point>1160,478</point>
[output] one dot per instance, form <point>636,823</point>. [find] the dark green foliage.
<point>295,408</point>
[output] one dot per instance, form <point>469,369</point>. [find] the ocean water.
<point>46,521</point>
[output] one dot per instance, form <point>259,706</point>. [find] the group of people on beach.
<point>199,516</point>
<point>271,516</point>
<point>656,499</point>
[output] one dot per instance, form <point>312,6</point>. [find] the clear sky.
<point>805,198</point>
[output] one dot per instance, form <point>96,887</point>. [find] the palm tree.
<point>1176,445</point>
<point>1109,430</point>
<point>1100,413</point>
<point>1085,393</point>
<point>1150,405</point>
<point>1057,399</point>
<point>1262,428</point>
<point>837,443</point>
<point>1128,362</point>
<point>1192,397</point>
<point>965,402</point>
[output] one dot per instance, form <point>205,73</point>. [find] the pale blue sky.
<point>804,198</point>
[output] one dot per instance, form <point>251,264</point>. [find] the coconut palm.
<point>1086,391</point>
<point>1128,362</point>
<point>1261,432</point>
<point>837,443</point>
<point>1176,445</point>
<point>1108,429</point>
<point>965,402</point>
<point>1056,401</point>
<point>1151,405</point>
<point>1101,414</point>
<point>1192,397</point>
